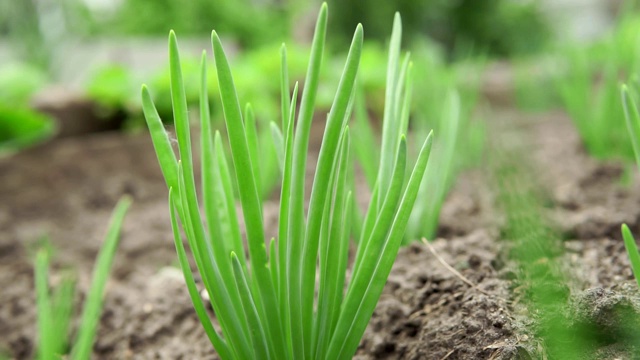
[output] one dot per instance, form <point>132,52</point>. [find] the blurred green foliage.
<point>21,128</point>
<point>493,27</point>
<point>19,22</point>
<point>19,82</point>
<point>35,28</point>
<point>589,87</point>
<point>112,86</point>
<point>250,22</point>
<point>535,84</point>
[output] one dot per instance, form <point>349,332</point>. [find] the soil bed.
<point>68,187</point>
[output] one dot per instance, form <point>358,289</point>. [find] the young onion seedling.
<point>287,300</point>
<point>55,309</point>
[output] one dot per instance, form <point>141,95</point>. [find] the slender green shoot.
<point>632,117</point>
<point>55,309</point>
<point>632,250</point>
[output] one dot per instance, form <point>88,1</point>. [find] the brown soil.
<point>67,189</point>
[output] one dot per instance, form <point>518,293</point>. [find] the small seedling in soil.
<point>632,250</point>
<point>55,309</point>
<point>632,117</point>
<point>268,305</point>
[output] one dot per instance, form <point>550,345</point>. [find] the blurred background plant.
<point>445,96</point>
<point>496,27</point>
<point>251,23</point>
<point>589,88</point>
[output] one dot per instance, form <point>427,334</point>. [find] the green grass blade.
<point>93,303</point>
<point>278,143</point>
<point>46,335</point>
<point>254,152</point>
<point>373,245</point>
<point>357,215</point>
<point>405,98</point>
<point>240,152</point>
<point>218,343</point>
<point>365,145</point>
<point>285,102</point>
<point>249,197</point>
<point>336,122</point>
<point>332,247</point>
<point>632,250</point>
<point>62,310</point>
<point>397,127</point>
<point>232,318</point>
<point>299,330</point>
<point>439,175</point>
<point>209,169</point>
<point>389,137</point>
<point>284,226</point>
<point>360,302</point>
<point>256,330</point>
<point>161,142</point>
<point>225,202</point>
<point>273,263</point>
<point>181,119</point>
<point>186,182</point>
<point>223,237</point>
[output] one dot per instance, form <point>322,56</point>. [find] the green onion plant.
<point>55,308</point>
<point>290,298</point>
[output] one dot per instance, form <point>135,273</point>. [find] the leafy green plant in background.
<point>447,95</point>
<point>21,128</point>
<point>493,27</point>
<point>440,172</point>
<point>267,305</point>
<point>590,92</point>
<point>445,104</point>
<point>111,86</point>
<point>250,23</point>
<point>590,96</point>
<point>19,82</point>
<point>55,309</point>
<point>22,25</point>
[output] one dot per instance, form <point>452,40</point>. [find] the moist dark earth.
<point>67,188</point>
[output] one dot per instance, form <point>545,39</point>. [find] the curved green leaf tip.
<point>632,251</point>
